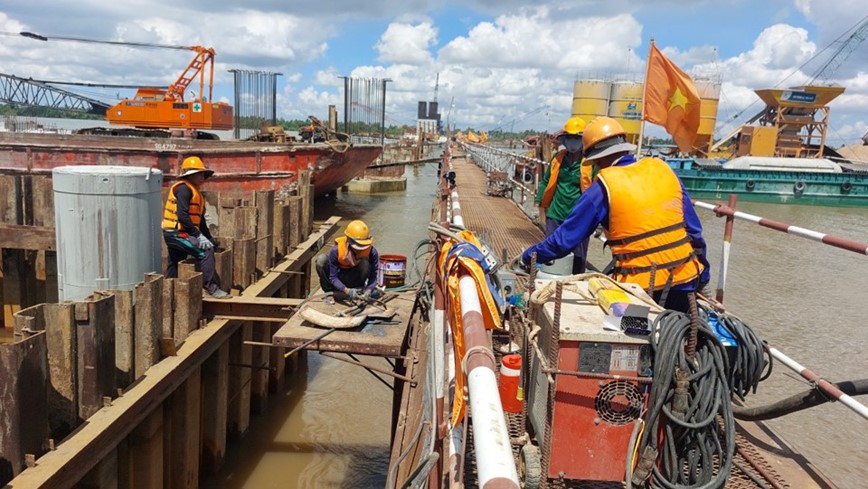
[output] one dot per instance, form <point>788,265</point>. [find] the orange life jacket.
<point>551,186</point>
<point>344,251</point>
<point>587,177</point>
<point>196,207</point>
<point>647,232</point>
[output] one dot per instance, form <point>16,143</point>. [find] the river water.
<point>804,298</point>
<point>332,427</point>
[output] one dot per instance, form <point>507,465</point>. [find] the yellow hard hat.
<point>604,136</point>
<point>193,165</point>
<point>574,125</point>
<point>358,232</point>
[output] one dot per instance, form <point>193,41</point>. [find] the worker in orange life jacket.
<point>562,185</point>
<point>649,220</point>
<point>185,229</point>
<point>350,267</point>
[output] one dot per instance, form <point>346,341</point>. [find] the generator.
<point>592,415</point>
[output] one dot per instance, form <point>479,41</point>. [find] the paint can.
<point>392,271</point>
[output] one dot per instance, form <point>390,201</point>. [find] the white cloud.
<point>407,43</point>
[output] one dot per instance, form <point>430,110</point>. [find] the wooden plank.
<point>168,307</point>
<point>261,358</point>
<point>226,215</point>
<point>274,280</point>
<point>305,190</point>
<point>62,467</point>
<point>281,231</point>
<point>23,389</point>
<point>146,452</point>
<point>223,266</point>
<point>149,322</point>
<point>215,389</point>
<point>277,362</point>
<point>104,475</point>
<point>243,263</point>
<point>96,353</point>
<point>62,356</point>
<point>22,237</point>
<point>181,455</point>
<point>369,339</point>
<point>124,329</point>
<point>239,383</point>
<point>296,233</point>
<point>14,289</point>
<point>264,202</point>
<point>188,306</point>
<point>250,307</point>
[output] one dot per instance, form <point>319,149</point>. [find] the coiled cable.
<point>688,397</point>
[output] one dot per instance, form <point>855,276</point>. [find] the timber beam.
<point>270,309</point>
<point>16,237</point>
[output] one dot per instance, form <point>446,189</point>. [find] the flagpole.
<point>644,90</point>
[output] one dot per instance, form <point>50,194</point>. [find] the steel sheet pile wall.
<point>136,364</point>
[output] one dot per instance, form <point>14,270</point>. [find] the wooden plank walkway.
<point>370,338</point>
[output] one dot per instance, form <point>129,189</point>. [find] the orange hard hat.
<point>193,165</point>
<point>358,232</point>
<point>604,136</point>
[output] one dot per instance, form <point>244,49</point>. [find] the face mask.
<point>573,145</point>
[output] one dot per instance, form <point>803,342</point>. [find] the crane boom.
<point>164,108</point>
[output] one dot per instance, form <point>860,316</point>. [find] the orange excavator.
<point>166,108</point>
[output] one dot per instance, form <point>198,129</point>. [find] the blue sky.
<point>505,63</point>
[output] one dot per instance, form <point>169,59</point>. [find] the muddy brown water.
<point>806,299</point>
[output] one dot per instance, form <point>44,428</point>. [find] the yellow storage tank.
<point>625,105</point>
<point>709,95</point>
<point>590,99</point>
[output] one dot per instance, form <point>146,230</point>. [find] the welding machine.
<point>593,412</point>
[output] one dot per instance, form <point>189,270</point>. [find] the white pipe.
<point>492,449</point>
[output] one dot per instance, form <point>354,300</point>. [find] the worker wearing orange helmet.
<point>562,185</point>
<point>185,229</point>
<point>650,224</point>
<point>350,267</point>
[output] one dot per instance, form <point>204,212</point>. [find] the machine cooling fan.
<point>619,403</point>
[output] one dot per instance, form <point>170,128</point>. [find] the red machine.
<point>593,415</point>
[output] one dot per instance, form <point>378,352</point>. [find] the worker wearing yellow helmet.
<point>562,185</point>
<point>650,224</point>
<point>350,268</point>
<point>185,229</point>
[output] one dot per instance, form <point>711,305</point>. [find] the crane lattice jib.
<point>196,67</point>
<point>830,68</point>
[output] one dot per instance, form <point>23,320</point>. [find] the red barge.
<point>238,165</point>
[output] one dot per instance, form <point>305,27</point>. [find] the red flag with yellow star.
<point>671,99</point>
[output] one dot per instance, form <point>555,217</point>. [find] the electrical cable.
<point>687,398</point>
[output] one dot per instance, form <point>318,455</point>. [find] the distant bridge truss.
<point>34,93</point>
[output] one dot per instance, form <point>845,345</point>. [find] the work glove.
<point>354,294</point>
<point>372,294</point>
<point>205,243</point>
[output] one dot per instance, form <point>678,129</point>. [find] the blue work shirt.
<point>335,269</point>
<point>593,209</point>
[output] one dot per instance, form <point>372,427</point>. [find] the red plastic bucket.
<point>392,271</point>
<point>510,367</point>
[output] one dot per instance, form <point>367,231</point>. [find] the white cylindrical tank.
<point>107,220</point>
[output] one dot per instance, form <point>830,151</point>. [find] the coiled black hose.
<point>687,398</point>
<point>749,359</point>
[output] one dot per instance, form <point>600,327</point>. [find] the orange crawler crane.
<point>166,108</point>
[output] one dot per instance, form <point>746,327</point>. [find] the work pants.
<point>180,248</point>
<point>354,278</point>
